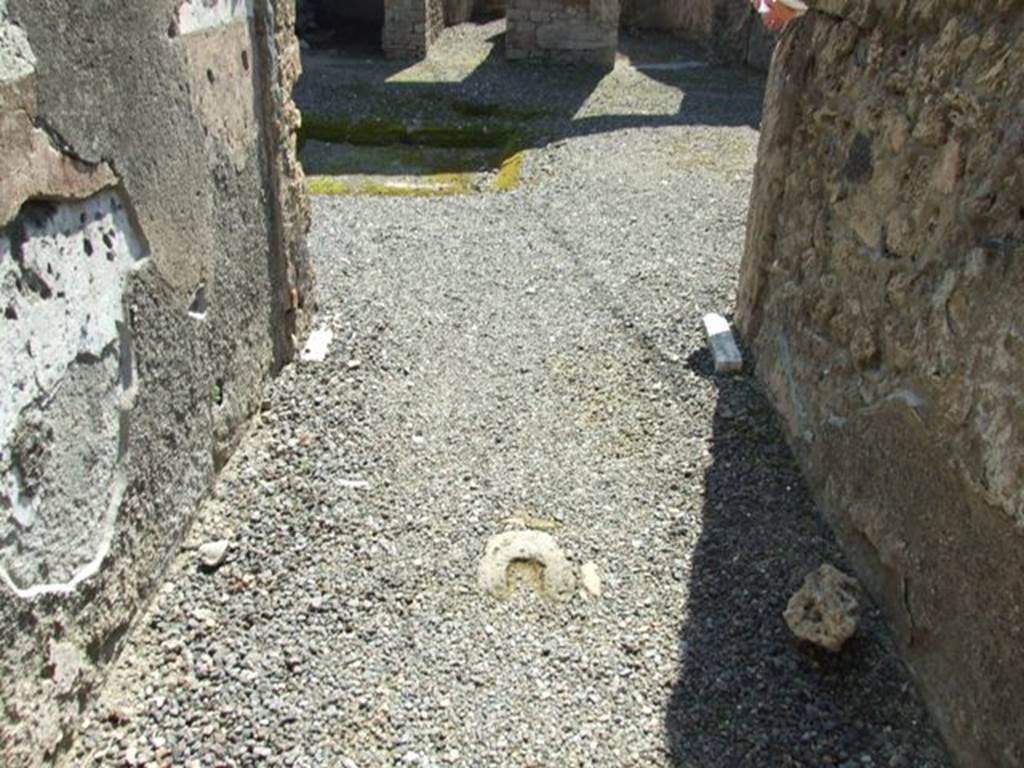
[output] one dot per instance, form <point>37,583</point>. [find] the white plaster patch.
<point>63,286</point>
<point>66,380</point>
<point>199,15</point>
<point>317,344</point>
<point>16,57</point>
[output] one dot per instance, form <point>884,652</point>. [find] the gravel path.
<point>530,353</point>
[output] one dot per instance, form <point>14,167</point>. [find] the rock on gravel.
<point>825,611</point>
<point>530,556</point>
<point>590,579</point>
<point>212,553</point>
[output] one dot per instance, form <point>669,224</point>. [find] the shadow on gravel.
<point>746,695</point>
<point>368,101</point>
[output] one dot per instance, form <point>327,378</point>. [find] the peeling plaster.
<point>35,168</point>
<point>16,57</point>
<point>200,15</point>
<point>66,388</point>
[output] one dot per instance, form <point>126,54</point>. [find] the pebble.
<point>590,578</point>
<point>212,553</point>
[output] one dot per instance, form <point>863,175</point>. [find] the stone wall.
<point>881,294</point>
<point>457,11</point>
<point>489,9</point>
<point>461,11</point>
<point>410,26</point>
<point>729,29</point>
<point>153,273</point>
<point>577,29</point>
<point>693,17</point>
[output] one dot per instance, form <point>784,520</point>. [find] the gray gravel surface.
<point>531,353</point>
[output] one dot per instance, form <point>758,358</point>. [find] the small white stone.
<point>317,344</point>
<point>723,344</point>
<point>590,578</point>
<point>212,553</point>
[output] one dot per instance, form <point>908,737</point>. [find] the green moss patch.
<point>335,149</point>
<point>434,185</point>
<point>380,132</point>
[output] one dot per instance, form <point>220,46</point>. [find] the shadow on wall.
<point>746,694</point>
<point>357,25</point>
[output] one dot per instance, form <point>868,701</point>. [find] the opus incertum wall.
<point>152,274</point>
<point>881,293</point>
<point>587,30</point>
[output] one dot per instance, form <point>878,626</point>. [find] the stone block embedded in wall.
<point>880,293</point>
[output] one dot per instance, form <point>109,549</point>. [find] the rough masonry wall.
<point>488,9</point>
<point>668,15</point>
<point>729,29</point>
<point>577,29</point>
<point>410,26</point>
<point>457,11</point>
<point>152,274</point>
<point>881,292</point>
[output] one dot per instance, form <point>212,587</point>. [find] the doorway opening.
<point>355,25</point>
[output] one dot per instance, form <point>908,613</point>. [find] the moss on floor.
<point>490,145</point>
<point>386,131</point>
<point>508,175</point>
<point>434,185</point>
<point>475,109</point>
